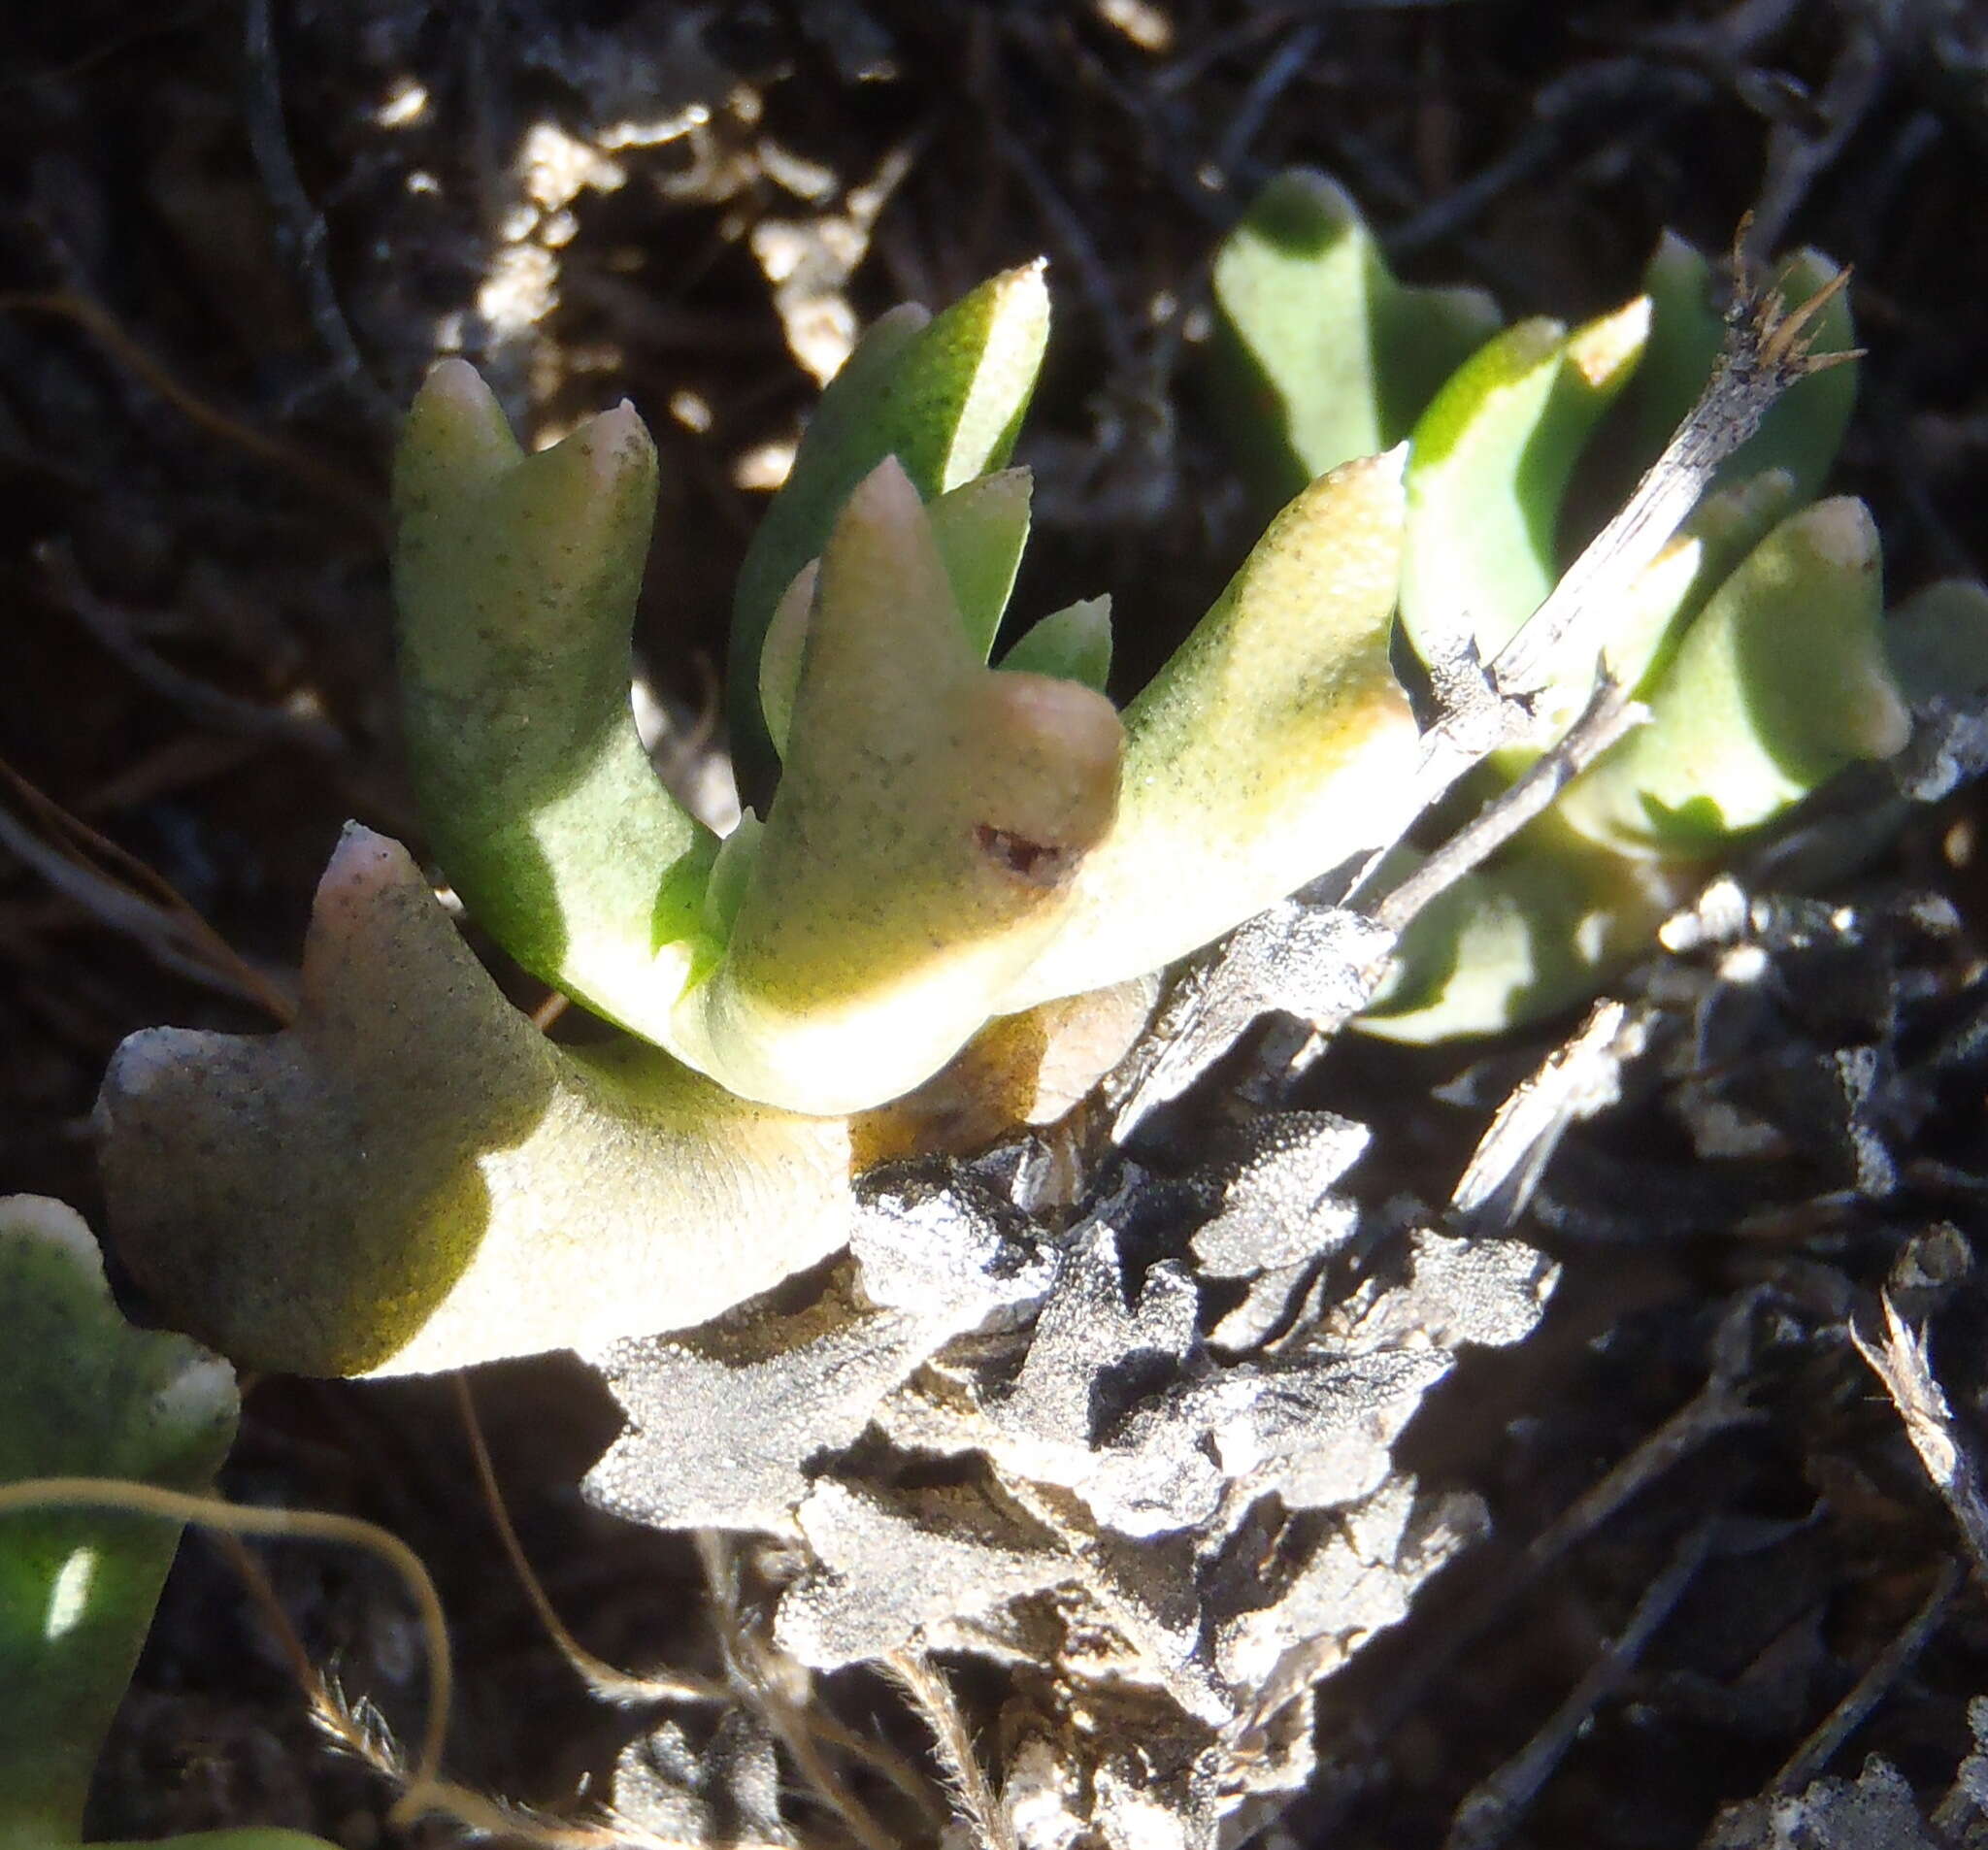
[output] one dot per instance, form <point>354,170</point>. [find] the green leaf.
<point>1665,598</point>
<point>413,1177</point>
<point>1321,355</point>
<point>1488,469</point>
<point>516,579</point>
<point>1804,431</point>
<point>1536,930</point>
<point>981,527</point>
<point>921,846</point>
<point>1937,641</point>
<point>945,397</point>
<point>1273,746</point>
<point>83,1394</point>
<point>1072,644</point>
<point>1780,682</point>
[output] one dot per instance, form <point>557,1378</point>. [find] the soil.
<point>232,237</point>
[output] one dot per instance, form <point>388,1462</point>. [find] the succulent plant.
<point>969,870</point>
<point>1756,638</point>
<point>950,846</point>
<point>949,841</point>
<point>86,1396</point>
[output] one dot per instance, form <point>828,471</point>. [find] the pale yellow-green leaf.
<point>930,820</point>
<point>517,578</point>
<point>1273,746</point>
<point>413,1177</point>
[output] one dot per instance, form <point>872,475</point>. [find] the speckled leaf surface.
<point>413,1177</point>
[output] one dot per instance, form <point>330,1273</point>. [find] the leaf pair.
<point>414,1179</point>
<point>1756,638</point>
<point>949,843</point>
<point>930,810</point>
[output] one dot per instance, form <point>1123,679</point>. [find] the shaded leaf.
<point>83,1394</point>
<point>1072,644</point>
<point>1780,684</point>
<point>1324,356</point>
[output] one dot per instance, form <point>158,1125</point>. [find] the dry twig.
<point>118,890</point>
<point>1899,1361</point>
<point>1493,1808</point>
<point>99,323</point>
<point>1815,1753</point>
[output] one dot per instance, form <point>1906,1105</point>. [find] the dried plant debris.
<point>1807,1052</point>
<point>722,1420</point>
<point>1318,964</point>
<point>1019,1445</point>
<point>1125,1447</point>
<point>1948,748</point>
<point>1277,1202</point>
<point>714,1783</point>
<point>1580,1080</point>
<point>1875,1811</point>
<point>948,1565</point>
<point>1277,1220</point>
<point>1966,1802</point>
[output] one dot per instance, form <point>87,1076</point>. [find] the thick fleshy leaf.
<point>1780,682</point>
<point>1536,932</point>
<point>1937,641</point>
<point>1800,433</point>
<point>1273,746</point>
<point>413,1177</point>
<point>1722,530</point>
<point>1488,467</point>
<point>1072,644</point>
<point>981,527</point>
<point>83,1394</point>
<point>944,396</point>
<point>1656,613</point>
<point>1322,355</point>
<point>516,578</point>
<point>931,820</point>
